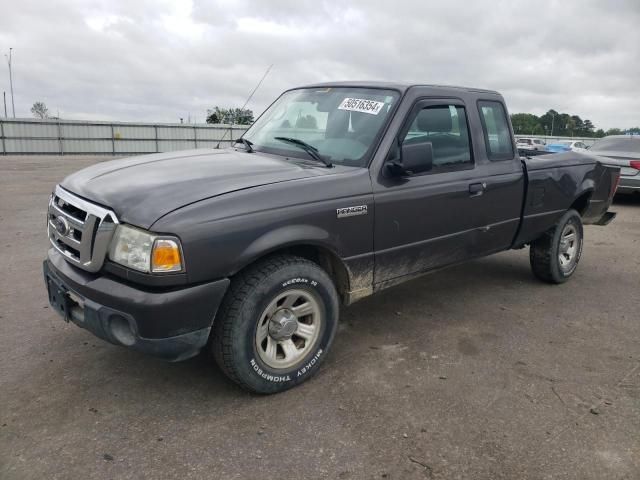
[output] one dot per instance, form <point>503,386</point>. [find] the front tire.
<point>276,324</point>
<point>555,255</point>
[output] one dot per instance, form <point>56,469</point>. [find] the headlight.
<point>144,251</point>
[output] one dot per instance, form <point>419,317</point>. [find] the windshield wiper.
<point>248,144</point>
<point>310,149</point>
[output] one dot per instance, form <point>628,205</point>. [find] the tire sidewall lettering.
<point>312,361</point>
<point>299,280</point>
<point>309,365</point>
<point>268,376</point>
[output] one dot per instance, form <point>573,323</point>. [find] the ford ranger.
<point>336,192</point>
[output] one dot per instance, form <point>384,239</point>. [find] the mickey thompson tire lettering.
<point>286,378</point>
<point>233,341</point>
<point>267,376</point>
<point>311,363</point>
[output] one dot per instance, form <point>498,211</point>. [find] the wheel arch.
<point>304,241</point>
<point>582,201</point>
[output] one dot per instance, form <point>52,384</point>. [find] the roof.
<point>402,87</point>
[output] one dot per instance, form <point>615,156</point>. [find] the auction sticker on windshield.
<point>360,105</point>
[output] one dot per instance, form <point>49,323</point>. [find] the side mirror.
<point>414,158</point>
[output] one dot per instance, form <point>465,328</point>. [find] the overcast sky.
<point>159,60</point>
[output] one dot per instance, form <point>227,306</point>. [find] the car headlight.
<point>145,251</point>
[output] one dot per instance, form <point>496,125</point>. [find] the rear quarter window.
<point>497,135</point>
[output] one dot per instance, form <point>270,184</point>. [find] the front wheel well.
<point>325,258</point>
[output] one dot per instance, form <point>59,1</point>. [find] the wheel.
<point>555,255</point>
<point>276,324</point>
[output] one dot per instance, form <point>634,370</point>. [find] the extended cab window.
<point>445,126</point>
<point>497,135</point>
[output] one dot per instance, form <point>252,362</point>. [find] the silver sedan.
<point>622,151</point>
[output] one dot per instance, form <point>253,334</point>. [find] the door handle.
<point>477,189</point>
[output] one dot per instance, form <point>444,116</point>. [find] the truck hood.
<point>142,189</point>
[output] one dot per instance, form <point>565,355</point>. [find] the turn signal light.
<point>166,256</point>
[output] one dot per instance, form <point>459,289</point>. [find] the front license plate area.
<point>59,298</point>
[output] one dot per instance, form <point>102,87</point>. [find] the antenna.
<point>248,100</point>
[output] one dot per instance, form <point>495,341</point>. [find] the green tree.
<point>588,128</point>
<point>578,126</point>
<point>548,122</point>
<point>40,110</point>
<point>235,116</point>
<point>526,124</point>
<point>554,123</point>
<point>564,125</point>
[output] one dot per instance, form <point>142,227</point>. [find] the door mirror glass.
<point>415,158</point>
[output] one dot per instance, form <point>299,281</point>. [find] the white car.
<point>530,144</point>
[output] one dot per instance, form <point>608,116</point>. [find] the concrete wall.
<point>67,137</point>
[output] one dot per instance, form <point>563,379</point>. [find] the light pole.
<point>553,118</point>
<point>13,106</point>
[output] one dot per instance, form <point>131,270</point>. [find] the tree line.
<point>233,116</point>
<point>557,124</point>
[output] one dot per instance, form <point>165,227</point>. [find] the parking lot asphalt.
<point>479,371</point>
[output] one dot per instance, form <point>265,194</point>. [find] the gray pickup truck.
<point>336,192</point>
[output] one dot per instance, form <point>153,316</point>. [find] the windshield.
<point>342,124</point>
<point>630,144</point>
<point>525,140</point>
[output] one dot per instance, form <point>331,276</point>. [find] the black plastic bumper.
<point>172,324</point>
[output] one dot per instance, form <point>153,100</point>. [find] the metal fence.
<point>67,137</point>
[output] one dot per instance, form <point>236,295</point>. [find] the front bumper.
<point>173,324</point>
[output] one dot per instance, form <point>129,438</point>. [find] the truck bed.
<point>552,183</point>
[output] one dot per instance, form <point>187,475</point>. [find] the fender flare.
<point>287,237</point>
<point>587,188</point>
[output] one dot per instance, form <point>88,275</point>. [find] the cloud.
<point>165,59</point>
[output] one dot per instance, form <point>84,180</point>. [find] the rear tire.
<point>555,255</point>
<point>276,324</point>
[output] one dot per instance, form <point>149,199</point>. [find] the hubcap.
<point>283,324</point>
<point>568,251</point>
<point>289,328</point>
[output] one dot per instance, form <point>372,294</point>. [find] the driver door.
<point>429,220</point>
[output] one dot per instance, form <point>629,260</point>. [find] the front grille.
<point>80,230</point>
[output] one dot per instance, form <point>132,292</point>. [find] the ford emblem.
<point>62,226</point>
